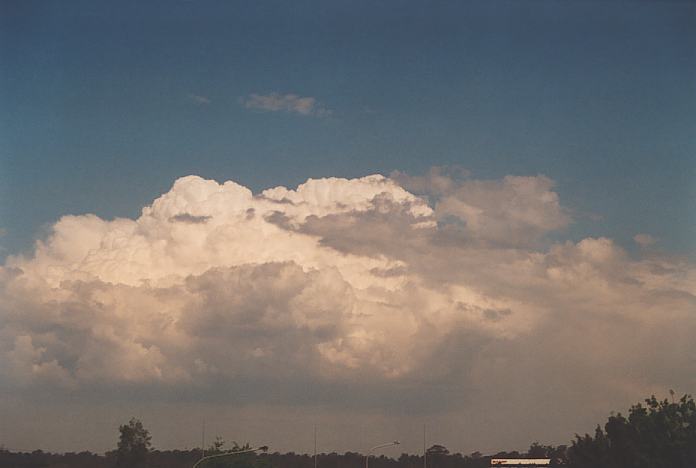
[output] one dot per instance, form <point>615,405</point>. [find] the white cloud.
<point>275,102</point>
<point>356,288</point>
<point>199,99</point>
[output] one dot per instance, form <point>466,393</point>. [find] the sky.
<point>365,216</point>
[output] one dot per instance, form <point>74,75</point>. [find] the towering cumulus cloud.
<point>437,286</point>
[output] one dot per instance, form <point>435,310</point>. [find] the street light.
<point>388,444</point>
<point>263,448</point>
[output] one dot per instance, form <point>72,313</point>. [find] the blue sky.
<point>97,113</point>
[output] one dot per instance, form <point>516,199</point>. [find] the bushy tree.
<point>133,444</point>
<point>216,447</point>
<point>558,455</point>
<point>438,450</point>
<point>661,434</point>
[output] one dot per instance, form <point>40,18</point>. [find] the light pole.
<point>388,444</point>
<point>263,448</point>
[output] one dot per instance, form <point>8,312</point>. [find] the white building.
<point>523,462</point>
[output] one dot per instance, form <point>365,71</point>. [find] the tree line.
<point>654,434</point>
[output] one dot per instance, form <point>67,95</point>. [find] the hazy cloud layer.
<point>440,289</point>
<point>275,102</point>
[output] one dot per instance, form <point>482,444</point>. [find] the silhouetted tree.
<point>661,434</point>
<point>133,444</point>
<point>216,447</point>
<point>437,450</point>
<point>244,460</point>
<point>437,456</point>
<point>558,455</point>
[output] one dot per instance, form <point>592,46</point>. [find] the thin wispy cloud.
<point>644,240</point>
<point>199,99</point>
<point>275,102</point>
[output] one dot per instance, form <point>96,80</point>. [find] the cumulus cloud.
<point>275,102</point>
<point>360,287</point>
<point>511,211</point>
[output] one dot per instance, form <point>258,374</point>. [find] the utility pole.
<point>315,446</point>
<point>203,439</point>
<point>425,453</point>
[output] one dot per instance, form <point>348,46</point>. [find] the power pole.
<point>425,452</point>
<point>203,439</point>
